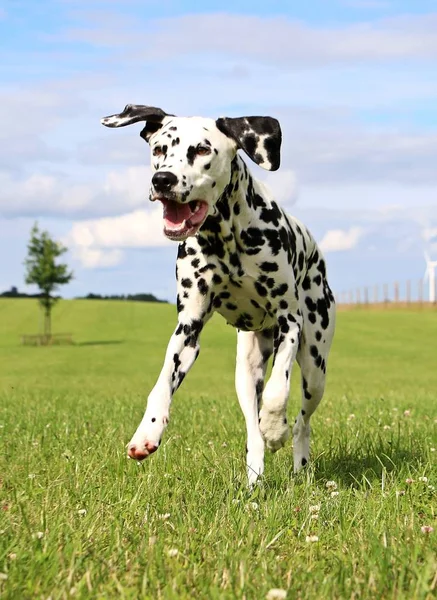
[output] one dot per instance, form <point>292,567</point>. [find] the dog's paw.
<point>274,429</point>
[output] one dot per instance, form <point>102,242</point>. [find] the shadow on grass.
<point>99,343</point>
<point>367,462</point>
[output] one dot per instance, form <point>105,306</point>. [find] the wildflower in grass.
<point>312,538</point>
<point>431,487</point>
<point>315,516</point>
<point>31,476</point>
<point>12,556</point>
<point>407,413</point>
<point>386,427</point>
<point>210,443</point>
<point>39,535</point>
<point>252,506</point>
<point>314,509</point>
<point>3,576</point>
<point>173,552</point>
<point>235,501</point>
<point>351,417</point>
<point>152,540</point>
<point>164,517</point>
<point>224,445</point>
<point>427,529</point>
<point>81,512</point>
<point>331,485</point>
<point>432,449</point>
<point>409,480</point>
<point>424,479</point>
<point>400,493</point>
<point>276,594</point>
<point>334,494</point>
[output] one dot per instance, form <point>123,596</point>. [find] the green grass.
<point>67,413</point>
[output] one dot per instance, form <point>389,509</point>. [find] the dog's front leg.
<point>182,351</point>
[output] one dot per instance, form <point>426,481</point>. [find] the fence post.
<point>408,292</point>
<point>375,294</point>
<point>420,292</point>
<point>385,299</point>
<point>366,295</point>
<point>396,290</point>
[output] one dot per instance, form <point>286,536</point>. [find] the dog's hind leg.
<point>317,333</point>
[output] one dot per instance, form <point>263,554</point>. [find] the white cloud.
<point>267,39</point>
<point>99,242</point>
<point>337,240</point>
<point>93,258</point>
<point>117,192</point>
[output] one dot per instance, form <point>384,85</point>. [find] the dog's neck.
<point>236,210</point>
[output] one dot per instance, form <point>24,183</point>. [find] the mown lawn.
<point>80,520</point>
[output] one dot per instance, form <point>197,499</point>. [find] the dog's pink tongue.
<point>175,214</point>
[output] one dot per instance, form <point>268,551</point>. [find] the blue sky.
<point>353,82</point>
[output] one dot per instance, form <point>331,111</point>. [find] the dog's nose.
<point>163,181</point>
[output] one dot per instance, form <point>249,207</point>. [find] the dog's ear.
<point>259,137</point>
<point>133,113</point>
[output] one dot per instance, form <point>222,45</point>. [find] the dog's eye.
<point>157,151</point>
<point>203,150</point>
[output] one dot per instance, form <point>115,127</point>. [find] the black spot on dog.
<point>202,286</point>
<point>191,155</point>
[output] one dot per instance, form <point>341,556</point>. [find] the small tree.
<point>42,270</point>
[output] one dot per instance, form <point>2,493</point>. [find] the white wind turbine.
<point>430,275</point>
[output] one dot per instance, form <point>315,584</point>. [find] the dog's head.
<point>192,157</point>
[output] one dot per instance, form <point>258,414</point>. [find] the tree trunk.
<point>47,321</point>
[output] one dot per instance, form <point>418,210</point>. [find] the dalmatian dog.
<point>241,255</point>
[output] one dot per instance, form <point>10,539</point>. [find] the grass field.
<point>80,520</point>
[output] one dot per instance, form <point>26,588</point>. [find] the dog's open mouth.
<point>183,220</point>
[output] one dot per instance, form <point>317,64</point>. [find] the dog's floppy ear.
<point>259,137</point>
<point>133,113</point>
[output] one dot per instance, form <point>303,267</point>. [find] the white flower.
<point>12,556</point>
<point>350,417</point>
<point>276,594</point>
<point>424,479</point>
<point>164,517</point>
<point>400,493</point>
<point>235,501</point>
<point>407,413</point>
<point>3,576</point>
<point>386,427</point>
<point>39,535</point>
<point>331,485</point>
<point>432,449</point>
<point>427,529</point>
<point>253,505</point>
<point>31,476</point>
<point>224,445</point>
<point>334,494</point>
<point>82,512</point>
<point>314,509</point>
<point>312,538</point>
<point>314,517</point>
<point>173,552</point>
<point>409,480</point>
